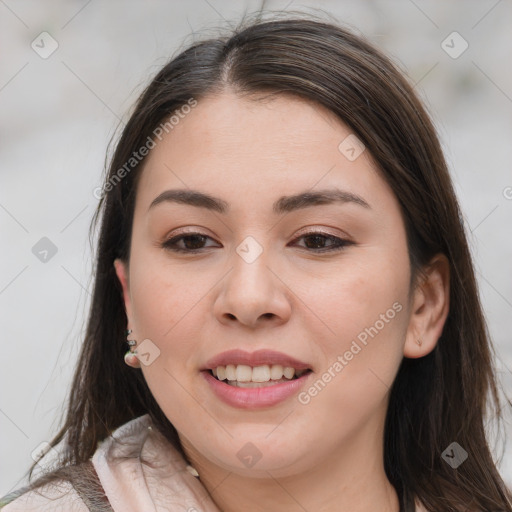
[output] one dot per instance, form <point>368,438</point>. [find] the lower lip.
<point>251,398</point>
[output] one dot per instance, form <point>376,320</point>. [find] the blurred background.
<point>70,71</point>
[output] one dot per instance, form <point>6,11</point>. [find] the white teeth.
<point>276,372</point>
<point>237,384</point>
<point>243,373</point>
<point>261,373</point>
<point>231,372</point>
<point>289,372</point>
<point>221,372</point>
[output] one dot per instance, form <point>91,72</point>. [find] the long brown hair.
<point>435,400</point>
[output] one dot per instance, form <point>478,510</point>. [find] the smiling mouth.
<point>245,376</point>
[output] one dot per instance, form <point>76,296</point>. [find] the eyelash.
<point>339,244</point>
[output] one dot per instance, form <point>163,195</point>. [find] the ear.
<point>122,274</point>
<point>430,307</point>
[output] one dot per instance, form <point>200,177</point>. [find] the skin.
<point>326,455</point>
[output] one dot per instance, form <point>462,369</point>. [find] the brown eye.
<point>316,241</point>
<point>192,242</point>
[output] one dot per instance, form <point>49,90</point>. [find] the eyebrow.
<point>284,204</point>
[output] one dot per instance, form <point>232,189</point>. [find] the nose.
<point>253,294</point>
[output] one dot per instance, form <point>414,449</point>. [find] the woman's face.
<point>266,284</point>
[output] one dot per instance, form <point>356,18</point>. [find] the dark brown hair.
<point>435,400</point>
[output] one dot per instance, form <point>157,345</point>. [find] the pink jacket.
<point>140,471</point>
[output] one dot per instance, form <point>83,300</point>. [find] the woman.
<point>282,250</point>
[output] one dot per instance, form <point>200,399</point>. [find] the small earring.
<point>130,358</point>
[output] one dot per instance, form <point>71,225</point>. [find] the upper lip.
<point>257,358</point>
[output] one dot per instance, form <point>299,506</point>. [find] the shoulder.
<point>80,488</point>
<point>54,497</point>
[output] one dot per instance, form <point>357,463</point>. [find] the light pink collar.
<point>141,470</point>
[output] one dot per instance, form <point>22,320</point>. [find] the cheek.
<point>365,310</point>
<point>354,296</point>
<point>360,366</point>
<point>161,293</point>
<point>170,319</point>
<point>167,309</point>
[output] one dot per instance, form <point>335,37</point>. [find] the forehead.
<point>250,151</point>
